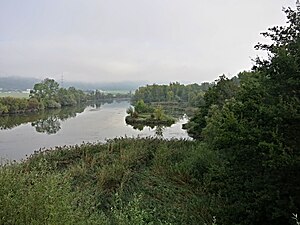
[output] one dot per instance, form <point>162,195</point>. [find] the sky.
<point>157,41</point>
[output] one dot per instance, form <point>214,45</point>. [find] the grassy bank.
<point>125,181</point>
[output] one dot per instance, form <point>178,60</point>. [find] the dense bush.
<point>13,105</point>
<point>256,131</point>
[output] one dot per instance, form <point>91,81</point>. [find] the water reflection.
<point>94,123</point>
<point>51,125</point>
<point>47,121</point>
<point>159,130</point>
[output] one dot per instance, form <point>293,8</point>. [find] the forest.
<point>191,94</point>
<point>242,166</point>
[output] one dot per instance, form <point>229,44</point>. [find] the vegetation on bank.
<point>48,95</point>
<point>175,98</point>
<point>143,114</point>
<point>189,95</point>
<point>255,128</point>
<point>44,95</point>
<point>101,96</point>
<point>125,181</point>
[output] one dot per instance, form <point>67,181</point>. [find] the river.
<point>21,135</point>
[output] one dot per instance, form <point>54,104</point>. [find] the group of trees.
<point>140,107</point>
<point>47,94</point>
<point>254,126</point>
<point>174,92</point>
<point>215,97</point>
<point>11,105</point>
<point>101,95</point>
<point>50,95</point>
<point>44,95</point>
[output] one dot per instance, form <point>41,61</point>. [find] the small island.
<point>143,114</point>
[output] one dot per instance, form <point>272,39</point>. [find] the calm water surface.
<point>90,124</point>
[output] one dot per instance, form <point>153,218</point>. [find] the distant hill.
<point>22,83</point>
<point>16,83</point>
<point>106,86</point>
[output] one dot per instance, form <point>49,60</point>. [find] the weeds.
<point>125,181</point>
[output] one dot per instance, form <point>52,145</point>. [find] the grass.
<point>125,181</point>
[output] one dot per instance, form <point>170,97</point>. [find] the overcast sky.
<point>142,40</point>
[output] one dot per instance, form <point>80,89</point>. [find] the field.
<point>14,94</point>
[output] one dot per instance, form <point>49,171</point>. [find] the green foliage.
<point>45,90</point>
<point>3,108</point>
<point>215,96</point>
<point>11,105</point>
<point>101,95</point>
<point>130,111</point>
<point>125,181</point>
<point>255,129</point>
<point>45,95</point>
<point>174,92</point>
<point>139,117</point>
<point>142,107</point>
<point>35,197</point>
<point>159,113</point>
<point>50,96</point>
<point>132,212</point>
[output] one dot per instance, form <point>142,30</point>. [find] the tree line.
<point>254,127</point>
<point>44,95</point>
<point>47,94</point>
<point>192,94</point>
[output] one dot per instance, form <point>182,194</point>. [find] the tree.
<point>257,134</point>
<point>142,107</point>
<point>46,92</point>
<point>48,88</point>
<point>159,113</point>
<point>216,95</point>
<point>130,111</point>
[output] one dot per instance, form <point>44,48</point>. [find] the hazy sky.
<point>149,40</point>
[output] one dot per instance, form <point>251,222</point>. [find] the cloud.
<point>158,41</point>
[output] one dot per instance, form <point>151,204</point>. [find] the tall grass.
<point>125,181</point>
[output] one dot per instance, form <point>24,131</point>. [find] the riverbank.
<point>125,181</point>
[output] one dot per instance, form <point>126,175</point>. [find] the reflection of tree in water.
<point>11,121</point>
<point>159,130</point>
<point>51,125</point>
<point>47,121</point>
<point>139,127</point>
<point>97,104</point>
